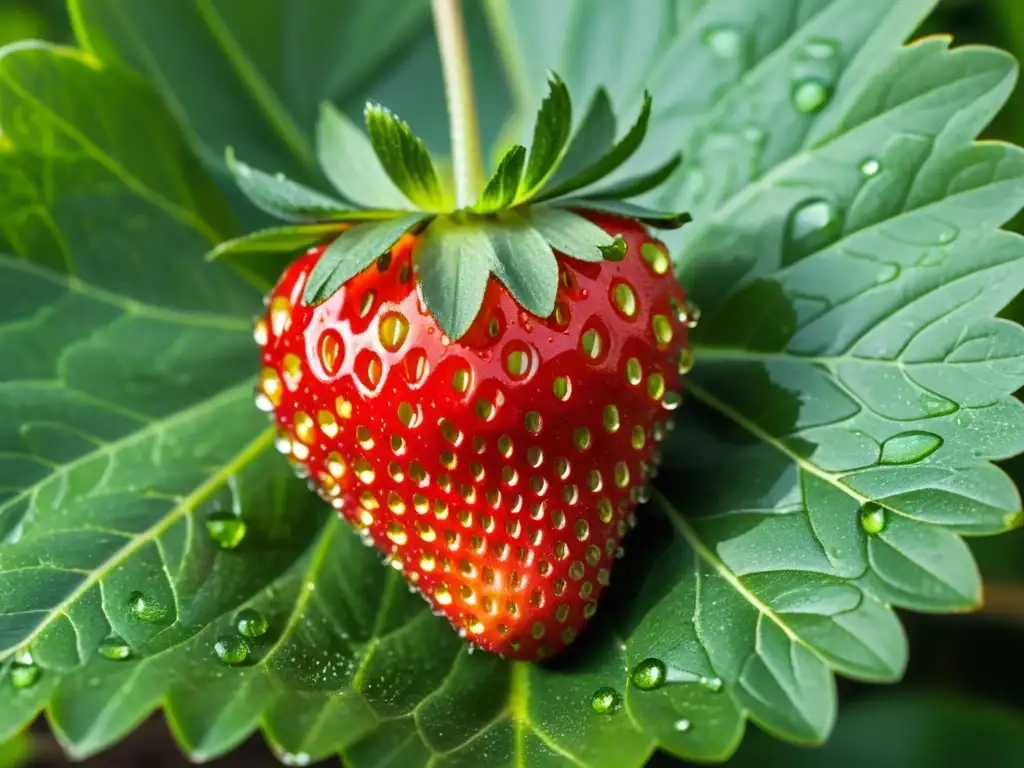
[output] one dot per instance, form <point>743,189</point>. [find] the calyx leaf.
<point>404,157</point>
<point>388,186</point>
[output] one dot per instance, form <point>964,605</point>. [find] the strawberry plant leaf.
<point>550,136</point>
<point>347,157</point>
<point>502,187</point>
<point>282,197</point>
<point>288,239</point>
<point>649,216</point>
<point>618,154</point>
<point>638,185</point>
<point>404,157</point>
<point>353,251</point>
<point>592,139</point>
<point>251,60</point>
<point>16,752</point>
<point>570,233</point>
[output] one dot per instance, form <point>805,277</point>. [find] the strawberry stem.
<point>467,160</point>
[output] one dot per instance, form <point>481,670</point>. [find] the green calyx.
<point>387,186</point>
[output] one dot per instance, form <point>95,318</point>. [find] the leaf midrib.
<point>202,493</point>
<point>277,116</point>
<point>178,213</point>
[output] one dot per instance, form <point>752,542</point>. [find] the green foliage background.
<point>962,697</point>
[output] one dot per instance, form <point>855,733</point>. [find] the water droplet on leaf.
<point>813,225</point>
<point>231,649</point>
<point>115,649</point>
<point>252,623</point>
<point>810,95</point>
<point>713,684</point>
<point>934,405</point>
<point>872,518</point>
<point>910,447</point>
<point>870,167</point>
<point>649,674</point>
<point>24,675</point>
<point>606,701</point>
<point>226,529</point>
<point>682,725</point>
<point>144,609</point>
<point>724,42</point>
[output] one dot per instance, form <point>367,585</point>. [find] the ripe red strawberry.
<point>498,472</point>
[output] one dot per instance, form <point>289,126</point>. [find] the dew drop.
<point>682,725</point>
<point>649,674</point>
<point>231,649</point>
<point>910,447</point>
<point>252,623</point>
<point>25,675</point>
<point>226,529</point>
<point>115,649</point>
<point>870,167</point>
<point>812,225</point>
<point>723,42</point>
<point>872,518</point>
<point>965,418</point>
<point>934,405</point>
<point>691,315</point>
<point>145,609</point>
<point>713,684</point>
<point>810,95</point>
<point>606,701</point>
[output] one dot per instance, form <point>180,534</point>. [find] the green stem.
<point>467,160</point>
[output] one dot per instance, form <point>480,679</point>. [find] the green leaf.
<point>453,263</point>
<point>404,157</point>
<point>609,162</point>
<point>591,140</point>
<point>16,752</point>
<point>291,239</point>
<point>501,190</point>
<point>282,197</point>
<point>550,136</point>
<point>648,216</point>
<point>251,77</point>
<point>348,158</point>
<point>524,262</point>
<point>353,251</point>
<point>638,185</point>
<point>571,234</point>
<point>40,111</point>
<point>914,729</point>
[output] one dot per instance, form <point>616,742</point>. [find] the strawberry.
<point>478,387</point>
<point>498,472</point>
